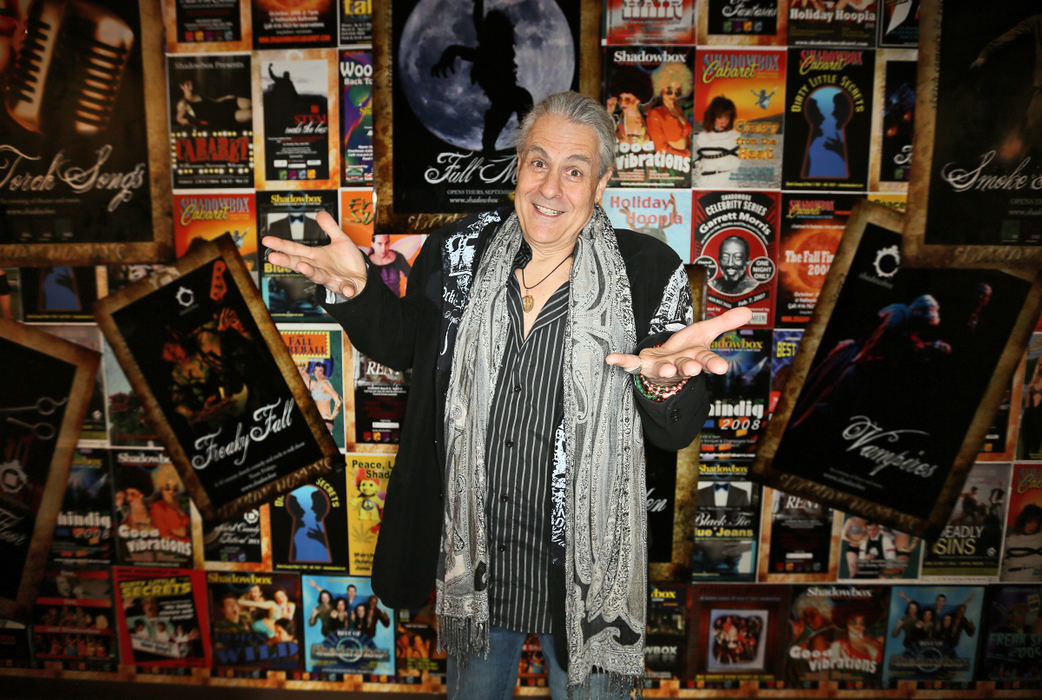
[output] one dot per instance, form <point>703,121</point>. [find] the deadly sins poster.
<point>464,73</point>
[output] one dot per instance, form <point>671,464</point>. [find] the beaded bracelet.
<point>657,392</point>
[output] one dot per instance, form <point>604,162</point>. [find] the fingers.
<point>622,360</point>
<point>329,226</point>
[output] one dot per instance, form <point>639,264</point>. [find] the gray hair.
<point>578,109</point>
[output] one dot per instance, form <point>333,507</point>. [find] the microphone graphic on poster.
<point>66,75</point>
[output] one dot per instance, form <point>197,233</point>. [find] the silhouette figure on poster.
<point>828,110</point>
<point>309,507</point>
<point>493,69</point>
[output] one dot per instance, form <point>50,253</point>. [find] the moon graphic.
<point>453,108</point>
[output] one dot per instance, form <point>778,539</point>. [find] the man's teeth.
<point>546,211</point>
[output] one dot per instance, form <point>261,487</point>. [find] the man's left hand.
<point>686,353</point>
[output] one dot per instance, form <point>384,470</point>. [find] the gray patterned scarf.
<point>599,514</point>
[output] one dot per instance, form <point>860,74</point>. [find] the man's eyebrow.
<point>581,157</point>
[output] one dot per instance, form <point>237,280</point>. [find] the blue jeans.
<point>495,677</point>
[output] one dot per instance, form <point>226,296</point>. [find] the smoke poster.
<point>1011,639</point>
<point>745,22</point>
<point>462,80</point>
<point>871,551</point>
<point>356,115</point>
<point>368,476</point>
<point>797,534</point>
<point>737,633</point>
<point>933,635</point>
<point>828,119</point>
<point>309,526</point>
<point>726,523</point>
<point>297,91</point>
<point>739,112</point>
<point>648,92</point>
<point>738,404</point>
<point>83,535</point>
<point>161,617</point>
<point>256,622</point>
<point>290,215</point>
<point>318,356</point>
<point>862,432</point>
<point>349,630</point>
<point>837,633</point>
<point>77,169</point>
<point>634,23</point>
<point>215,377</point>
<point>970,543</point>
<point>211,120</point>
<point>665,215</point>
<point>44,401</point>
<point>73,621</point>
<point>833,23</point>
<point>239,544</point>
<point>976,175</point>
<point>811,228</point>
<point>1022,551</point>
<point>209,216</point>
<point>735,239</point>
<point>281,25</point>
<point>356,22</point>
<point>153,520</point>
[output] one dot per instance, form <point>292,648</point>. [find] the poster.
<point>200,23</point>
<point>893,120</point>
<point>318,355</point>
<point>241,543</point>
<point>74,625</point>
<point>348,629</point>
<point>211,120</point>
<point>665,648</point>
<point>84,532</point>
<point>83,102</point>
<point>256,622</point>
<point>356,117</point>
<point>215,378</point>
<point>738,405</point>
<point>974,188</point>
<point>970,543</point>
<point>377,402</point>
<point>739,108</point>
<point>862,432</point>
<point>736,239</point>
<point>727,522</point>
<point>828,119</point>
<point>455,108</point>
<point>648,92</point>
<point>128,425</point>
<point>811,228</point>
<point>784,344</point>
<point>1021,559</point>
<point>10,294</point>
<point>899,23</point>
<point>309,526</point>
<point>289,295</point>
<point>1011,637</point>
<point>1029,438</point>
<point>637,23</point>
<point>153,517</point>
<point>741,23</point>
<point>934,632</point>
<point>660,481</point>
<point>92,432</point>
<point>43,406</point>
<point>58,293</point>
<point>665,215</point>
<point>356,22</point>
<point>368,476</point>
<point>870,551</point>
<point>279,25</point>
<point>833,23</point>
<point>416,646</point>
<point>797,535</point>
<point>209,216</point>
<point>161,617</point>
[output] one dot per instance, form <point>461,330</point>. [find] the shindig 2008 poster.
<point>460,81</point>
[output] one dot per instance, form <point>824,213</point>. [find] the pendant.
<point>527,302</point>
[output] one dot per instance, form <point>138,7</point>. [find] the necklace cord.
<point>525,284</point>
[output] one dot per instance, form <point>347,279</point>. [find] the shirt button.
<point>509,443</point>
<point>502,547</point>
<point>505,498</point>
<point>517,388</point>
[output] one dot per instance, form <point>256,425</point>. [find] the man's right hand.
<point>339,266</point>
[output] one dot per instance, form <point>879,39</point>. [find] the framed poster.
<point>555,49</point>
<point>974,190</point>
<point>217,381</point>
<point>85,167</point>
<point>44,402</point>
<point>872,421</point>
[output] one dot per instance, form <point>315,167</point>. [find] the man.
<point>536,338</point>
<point>733,259</point>
<point>722,493</point>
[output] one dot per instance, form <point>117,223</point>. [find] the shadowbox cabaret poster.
<point>896,380</point>
<point>464,74</point>
<point>975,193</point>
<point>217,381</point>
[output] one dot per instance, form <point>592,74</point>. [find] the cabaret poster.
<point>858,426</point>
<point>648,23</point>
<point>256,622</point>
<point>1011,639</point>
<point>828,119</point>
<point>934,633</point>
<point>462,79</point>
<point>296,91</point>
<point>1022,550</point>
<point>309,526</point>
<point>870,551</point>
<point>83,535</point>
<point>215,375</point>
<point>648,92</point>
<point>739,111</point>
<point>741,23</point>
<point>738,408</point>
<point>211,120</point>
<point>893,120</point>
<point>294,25</point>
<point>976,181</point>
<point>368,477</point>
<point>349,630</point>
<point>811,228</point>
<point>211,215</point>
<point>665,215</point>
<point>833,22</point>
<point>85,99</point>
<point>970,543</point>
<point>726,527</point>
<point>43,404</point>
<point>241,543</point>
<point>736,240</point>
<point>356,118</point>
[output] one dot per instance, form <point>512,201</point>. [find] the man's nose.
<point>550,187</point>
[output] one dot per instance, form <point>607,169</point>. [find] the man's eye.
<point>575,172</point>
<point>538,163</point>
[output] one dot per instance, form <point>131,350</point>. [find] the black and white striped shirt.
<point>519,454</point>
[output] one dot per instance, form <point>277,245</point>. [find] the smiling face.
<point>734,254</point>
<point>557,183</point>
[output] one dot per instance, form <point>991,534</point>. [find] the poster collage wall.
<point>747,131</point>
